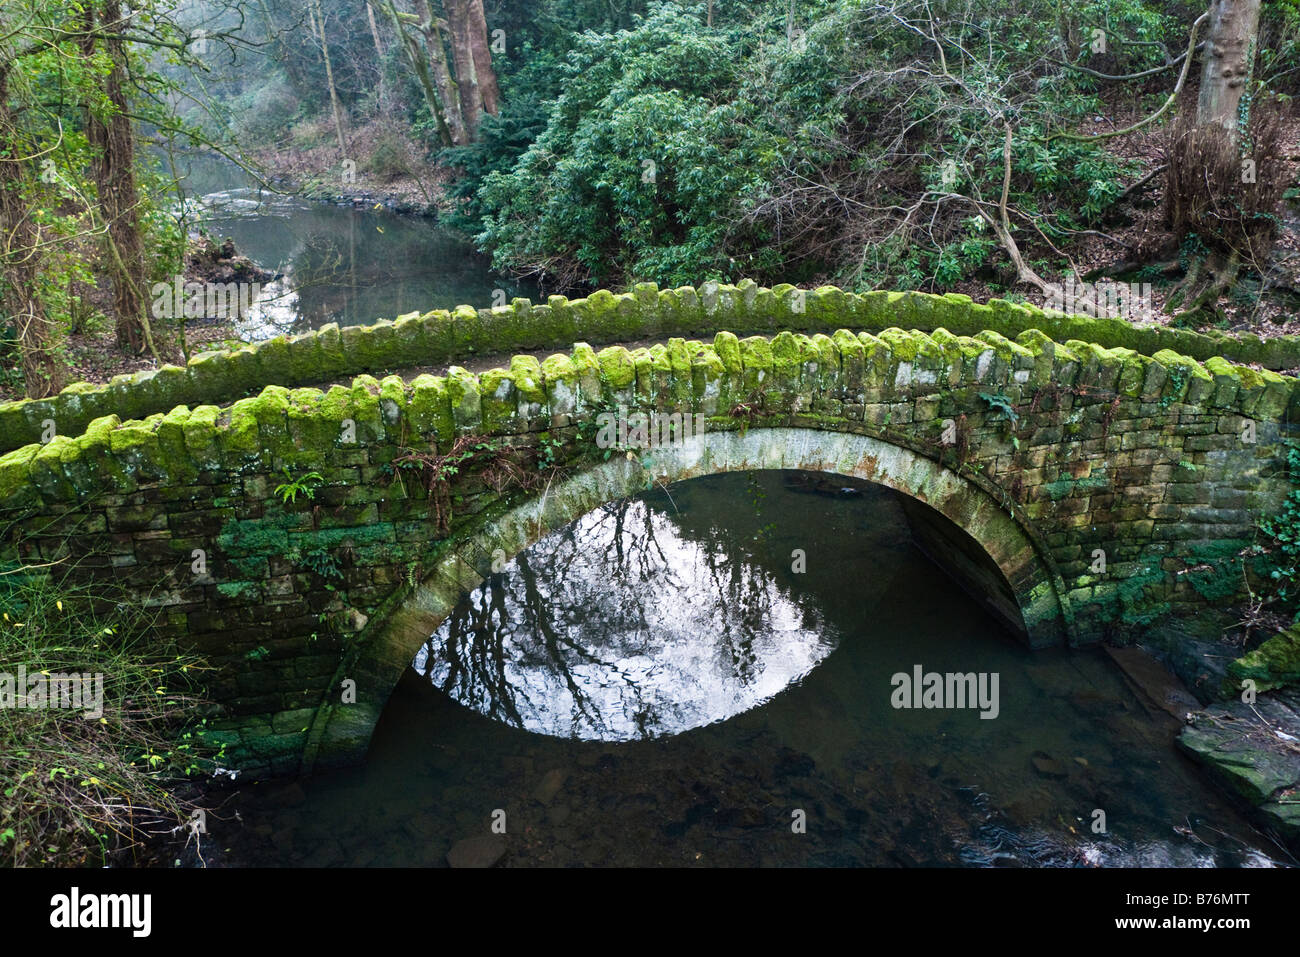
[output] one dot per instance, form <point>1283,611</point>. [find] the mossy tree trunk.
<point>112,143</point>
<point>20,257</point>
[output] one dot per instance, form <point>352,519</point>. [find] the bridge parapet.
<point>646,312</point>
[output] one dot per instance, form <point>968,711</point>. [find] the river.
<point>340,264</point>
<point>663,682</point>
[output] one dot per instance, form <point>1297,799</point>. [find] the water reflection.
<point>588,609</point>
<point>339,264</point>
<point>625,626</point>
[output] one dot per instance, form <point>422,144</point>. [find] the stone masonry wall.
<point>1160,462</point>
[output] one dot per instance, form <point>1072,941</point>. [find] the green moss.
<point>1215,570</point>
<point>727,346</point>
<point>708,380</point>
<point>498,400</point>
<point>1013,354</point>
<point>240,437</point>
<point>1141,596</point>
<point>258,538</point>
<point>1066,486</point>
<point>653,375</point>
<point>587,366</point>
<point>786,358</point>
<point>852,361</point>
<point>560,382</point>
<point>1273,664</point>
<point>617,370</point>
<point>429,408</point>
<point>14,471</point>
<point>465,397</point>
<point>363,409</point>
<point>603,317</point>
<point>239,590</point>
<point>526,372</point>
<point>903,345</point>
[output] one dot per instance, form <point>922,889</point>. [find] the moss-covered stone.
<point>647,312</point>
<point>1273,664</point>
<point>466,399</point>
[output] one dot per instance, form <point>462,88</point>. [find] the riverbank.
<point>385,168</point>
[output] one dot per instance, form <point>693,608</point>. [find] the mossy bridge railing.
<point>1109,485</point>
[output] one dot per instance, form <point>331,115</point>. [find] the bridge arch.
<point>341,733</point>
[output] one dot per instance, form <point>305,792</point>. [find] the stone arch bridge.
<point>1044,452</point>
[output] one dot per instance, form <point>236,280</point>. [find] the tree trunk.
<point>482,51</point>
<point>20,261</point>
<point>1229,57</point>
<point>318,27</point>
<point>471,97</point>
<point>112,143</point>
<point>434,90</point>
<point>379,47</point>
<point>448,92</point>
<point>374,29</point>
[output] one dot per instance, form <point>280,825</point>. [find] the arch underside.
<point>342,733</point>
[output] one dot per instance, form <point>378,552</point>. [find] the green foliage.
<point>1002,404</point>
<point>1139,596</point>
<point>303,485</point>
<point>1283,532</point>
<point>321,562</point>
<point>77,789</point>
<point>1278,63</point>
<point>641,156</point>
<point>1215,571</point>
<point>794,147</point>
<point>550,453</point>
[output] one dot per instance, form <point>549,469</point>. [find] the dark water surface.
<point>341,264</point>
<point>699,698</point>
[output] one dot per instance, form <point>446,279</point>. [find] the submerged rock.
<point>1047,766</point>
<point>485,851</point>
<point>1159,688</point>
<point>549,786</point>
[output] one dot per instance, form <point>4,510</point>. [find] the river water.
<point>340,264</point>
<point>665,682</point>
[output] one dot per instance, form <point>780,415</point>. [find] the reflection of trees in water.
<point>622,626</point>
